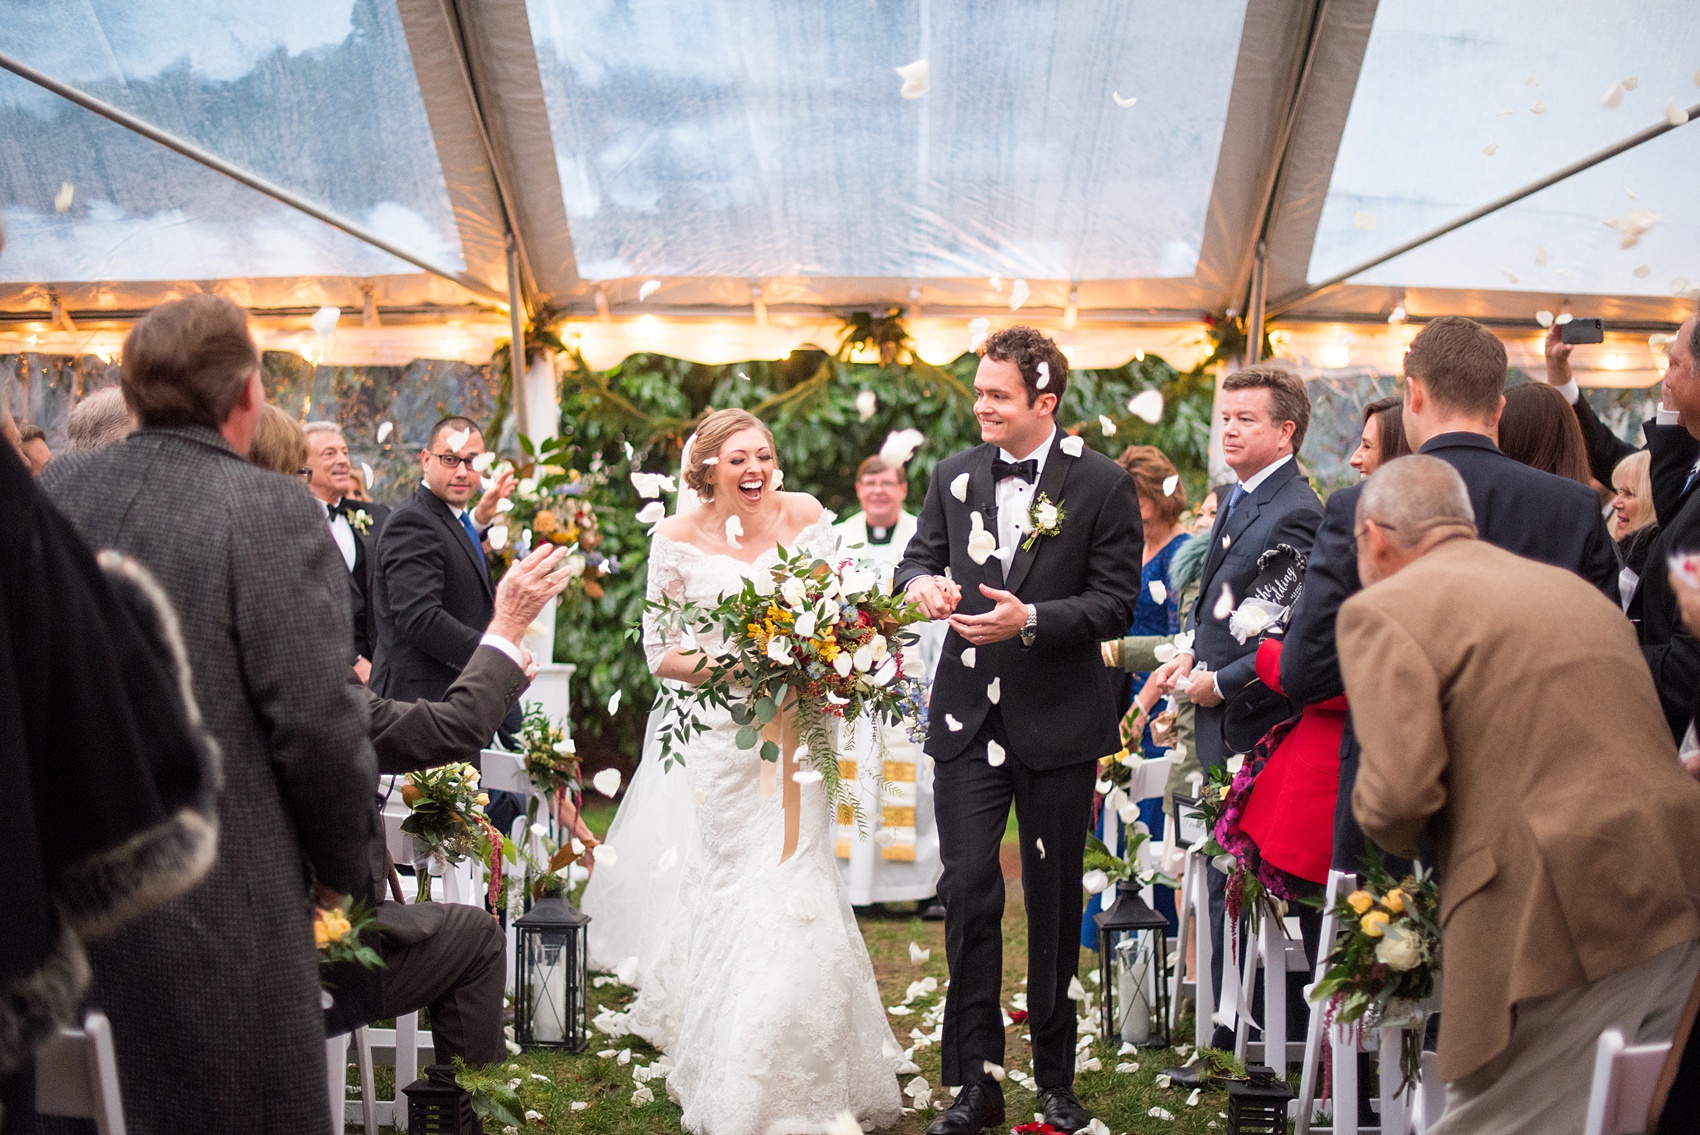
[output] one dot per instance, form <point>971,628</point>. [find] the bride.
<point>763,996</point>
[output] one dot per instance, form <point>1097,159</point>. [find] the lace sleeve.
<point>666,579</point>
<point>820,538</point>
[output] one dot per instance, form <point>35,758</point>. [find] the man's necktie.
<point>1235,497</point>
<point>1692,475</point>
<point>1027,470</point>
<point>472,534</point>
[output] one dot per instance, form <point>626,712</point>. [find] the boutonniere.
<point>1043,519</point>
<point>360,520</point>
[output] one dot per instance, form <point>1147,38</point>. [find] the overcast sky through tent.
<point>766,138</point>
<point>1443,80</point>
<point>317,95</point>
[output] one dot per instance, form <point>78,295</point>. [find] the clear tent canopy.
<point>721,181</point>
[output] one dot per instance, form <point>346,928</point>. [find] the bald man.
<point>1506,715</point>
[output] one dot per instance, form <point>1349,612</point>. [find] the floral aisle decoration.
<point>446,816</point>
<point>551,757</point>
<point>552,503</point>
<point>336,933</point>
<point>1221,803</point>
<point>1383,966</point>
<point>803,645</point>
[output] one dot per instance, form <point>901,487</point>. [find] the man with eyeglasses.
<point>354,527</point>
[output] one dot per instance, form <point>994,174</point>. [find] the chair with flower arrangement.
<point>1279,950</point>
<point>1192,905</point>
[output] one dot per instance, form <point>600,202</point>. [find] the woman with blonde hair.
<point>1633,524</point>
<point>279,444</point>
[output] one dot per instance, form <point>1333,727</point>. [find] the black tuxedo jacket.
<point>434,600</point>
<point>1284,509</point>
<point>1057,700</point>
<point>1672,653</point>
<point>362,603</point>
<point>1522,510</point>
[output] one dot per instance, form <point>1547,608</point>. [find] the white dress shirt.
<point>499,643</point>
<point>340,532</point>
<point>1256,479</point>
<point>1014,498</point>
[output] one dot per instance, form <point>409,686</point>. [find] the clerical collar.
<point>879,534</point>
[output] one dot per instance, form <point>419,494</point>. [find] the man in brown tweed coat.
<point>214,998</point>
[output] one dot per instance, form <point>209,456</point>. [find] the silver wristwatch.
<point>1032,627</point>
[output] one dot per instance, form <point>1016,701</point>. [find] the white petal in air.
<point>978,329</point>
<point>1095,882</point>
<point>1539,107</point>
<point>1491,149</point>
<point>1224,603</point>
<point>1108,426</point>
<point>650,287</point>
<point>62,199</point>
<point>959,487</point>
<point>1169,484</point>
<point>325,319</point>
<point>981,543</point>
<point>605,853</point>
<point>1632,226</point>
<point>483,461</point>
<point>994,754</point>
<point>918,955</point>
<point>844,1123</point>
<point>652,513</point>
<point>995,1071</point>
<point>457,440</point>
<point>668,860</point>
<point>1116,97</point>
<point>952,724</point>
<point>1642,271</point>
<point>1613,96</point>
<point>1563,319</point>
<point>614,703</point>
<point>867,403</point>
<point>734,529</point>
<point>1147,406</point>
<point>606,782</point>
<point>1364,220</point>
<point>995,690</point>
<point>1071,445</point>
<point>505,505</point>
<point>384,431</point>
<point>1044,378</point>
<point>1017,295</point>
<point>370,476</point>
<point>1543,317</point>
<point>1675,115</point>
<point>1631,83</point>
<point>1159,592</point>
<point>498,536</point>
<point>1076,991</point>
<point>917,79</point>
<point>807,776</point>
<point>969,654</point>
<point>1540,256</point>
<point>900,446</point>
<point>1040,845</point>
<point>776,480</point>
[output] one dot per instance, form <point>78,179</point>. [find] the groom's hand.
<point>935,595</point>
<point>1003,621</point>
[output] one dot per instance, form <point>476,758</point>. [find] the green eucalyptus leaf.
<point>747,737</point>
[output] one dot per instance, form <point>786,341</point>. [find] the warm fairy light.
<point>1615,361</point>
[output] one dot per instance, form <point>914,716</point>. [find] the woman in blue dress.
<point>1162,500</point>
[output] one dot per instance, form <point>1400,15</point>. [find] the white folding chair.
<point>336,1075</point>
<point>1192,907</point>
<point>1430,1103</point>
<point>1625,1077</point>
<point>1345,1055</point>
<point>1278,949</point>
<point>402,1045</point>
<point>76,1075</point>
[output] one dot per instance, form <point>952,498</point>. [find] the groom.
<point>1022,706</point>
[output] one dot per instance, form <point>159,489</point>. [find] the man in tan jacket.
<point>1505,714</point>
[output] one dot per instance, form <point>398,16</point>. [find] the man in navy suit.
<point>1454,392</point>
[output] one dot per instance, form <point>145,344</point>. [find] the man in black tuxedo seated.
<point>354,526</point>
<point>448,956</point>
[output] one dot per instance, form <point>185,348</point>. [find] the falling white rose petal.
<point>918,954</point>
<point>1108,426</point>
<point>844,1123</point>
<point>1071,445</point>
<point>1169,484</point>
<point>1159,593</point>
<point>325,319</point>
<point>900,446</point>
<point>384,431</point>
<point>952,724</point>
<point>1044,378</point>
<point>1642,271</point>
<point>456,441</point>
<point>807,776</point>
<point>1613,96</point>
<point>995,1071</point>
<point>605,853</point>
<point>668,860</point>
<point>1224,603</point>
<point>650,287</point>
<point>370,476</point>
<point>1538,108</point>
<point>1095,882</point>
<point>1563,319</point>
<point>607,781</point>
<point>1116,97</point>
<point>1675,115</point>
<point>627,970</point>
<point>614,703</point>
<point>969,654</point>
<point>1017,295</point>
<point>1632,226</point>
<point>1147,406</point>
<point>734,529</point>
<point>959,486</point>
<point>1364,220</point>
<point>1631,83</point>
<point>867,404</point>
<point>504,505</point>
<point>1076,991</point>
<point>483,461</point>
<point>498,536</point>
<point>995,690</point>
<point>1491,149</point>
<point>917,79</point>
<point>1543,317</point>
<point>994,754</point>
<point>776,480</point>
<point>981,543</point>
<point>652,513</point>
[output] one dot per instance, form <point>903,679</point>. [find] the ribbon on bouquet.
<point>782,731</point>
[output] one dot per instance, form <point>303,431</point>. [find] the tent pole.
<point>517,356</point>
<point>1294,298</point>
<point>236,173</point>
<point>1254,310</point>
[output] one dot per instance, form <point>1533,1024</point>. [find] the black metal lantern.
<point>552,976</point>
<point>1133,969</point>
<point>1257,1105</point>
<point>437,1106</point>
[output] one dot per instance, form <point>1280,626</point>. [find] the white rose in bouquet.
<point>1254,616</point>
<point>795,592</point>
<point>1400,948</point>
<point>857,579</point>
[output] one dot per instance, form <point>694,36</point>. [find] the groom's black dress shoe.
<point>1062,1110</point>
<point>979,1106</point>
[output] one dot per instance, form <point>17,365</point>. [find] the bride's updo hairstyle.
<point>712,433</point>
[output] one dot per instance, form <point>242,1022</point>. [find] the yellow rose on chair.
<point>1374,923</point>
<point>1394,901</point>
<point>1360,901</point>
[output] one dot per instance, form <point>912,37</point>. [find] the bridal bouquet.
<point>804,644</point>
<point>1383,966</point>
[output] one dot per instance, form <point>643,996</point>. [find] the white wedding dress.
<point>761,993</point>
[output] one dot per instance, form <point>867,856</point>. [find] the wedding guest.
<point>214,997</point>
<point>1539,428</point>
<point>1383,437</point>
<point>279,446</point>
<point>1604,448</point>
<point>99,419</point>
<point>1556,926</point>
<point>449,958</point>
<point>1633,523</point>
<point>1454,390</point>
<point>353,527</point>
<point>32,443</point>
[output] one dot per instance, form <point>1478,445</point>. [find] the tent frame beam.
<point>1287,302</point>
<point>236,173</point>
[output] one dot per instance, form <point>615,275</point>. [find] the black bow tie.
<point>343,507</point>
<point>1027,470</point>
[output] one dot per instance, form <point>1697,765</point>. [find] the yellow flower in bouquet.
<point>1374,923</point>
<point>1360,901</point>
<point>1394,901</point>
<point>545,522</point>
<point>329,926</point>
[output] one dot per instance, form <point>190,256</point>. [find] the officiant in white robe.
<point>893,855</point>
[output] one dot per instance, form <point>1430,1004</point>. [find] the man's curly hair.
<point>1027,348</point>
